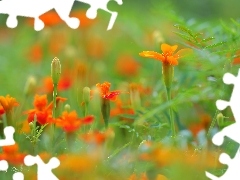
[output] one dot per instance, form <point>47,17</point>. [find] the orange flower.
<point>105,93</point>
<point>95,47</point>
<point>121,109</point>
<point>12,155</point>
<point>7,103</point>
<point>205,121</point>
<point>127,66</point>
<point>143,176</point>
<point>65,82</point>
<point>1,110</point>
<point>167,56</point>
<point>43,110</point>
<point>35,54</point>
<point>70,122</point>
<point>97,137</point>
<point>236,60</point>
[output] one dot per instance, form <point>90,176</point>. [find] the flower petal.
<point>152,54</point>
<point>172,60</point>
<point>112,95</point>
<point>168,49</point>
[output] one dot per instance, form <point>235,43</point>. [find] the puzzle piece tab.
<point>232,131</point>
<point>3,165</point>
<point>95,5</point>
<point>232,172</point>
<point>8,133</point>
<point>36,8</point>
<point>44,170</point>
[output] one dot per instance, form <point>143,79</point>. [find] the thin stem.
<point>54,100</point>
<point>85,109</point>
<point>54,108</point>
<point>170,113</point>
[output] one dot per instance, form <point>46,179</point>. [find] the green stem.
<point>85,109</point>
<point>54,108</point>
<point>170,113</point>
<point>106,111</point>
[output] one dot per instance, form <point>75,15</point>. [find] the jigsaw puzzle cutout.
<point>232,131</point>
<point>8,133</point>
<point>44,171</point>
<point>36,8</point>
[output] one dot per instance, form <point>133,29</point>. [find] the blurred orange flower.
<point>70,122</point>
<point>236,60</point>
<point>73,166</point>
<point>127,66</point>
<point>96,47</point>
<point>167,56</point>
<point>8,103</point>
<point>1,110</point>
<point>97,137</point>
<point>42,109</point>
<point>11,155</point>
<point>143,176</point>
<point>35,54</point>
<point>105,93</point>
<point>205,121</point>
<point>65,82</point>
<point>121,109</point>
<point>165,156</point>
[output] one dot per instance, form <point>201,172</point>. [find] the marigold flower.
<point>121,109</point>
<point>167,56</point>
<point>36,53</point>
<point>11,155</point>
<point>8,103</point>
<point>2,111</point>
<point>64,83</point>
<point>105,93</point>
<point>205,121</point>
<point>70,122</point>
<point>127,66</point>
<point>43,110</point>
<point>97,137</point>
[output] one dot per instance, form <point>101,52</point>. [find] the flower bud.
<point>55,70</point>
<point>86,95</point>
<point>67,107</point>
<point>220,120</point>
<point>30,85</point>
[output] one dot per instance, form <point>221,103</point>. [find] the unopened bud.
<point>220,120</point>
<point>67,107</point>
<point>86,95</point>
<point>30,85</point>
<point>31,125</point>
<point>55,70</point>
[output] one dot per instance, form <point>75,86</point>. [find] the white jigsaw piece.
<point>44,170</point>
<point>36,8</point>
<point>231,131</point>
<point>97,4</point>
<point>8,133</point>
<point>4,167</point>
